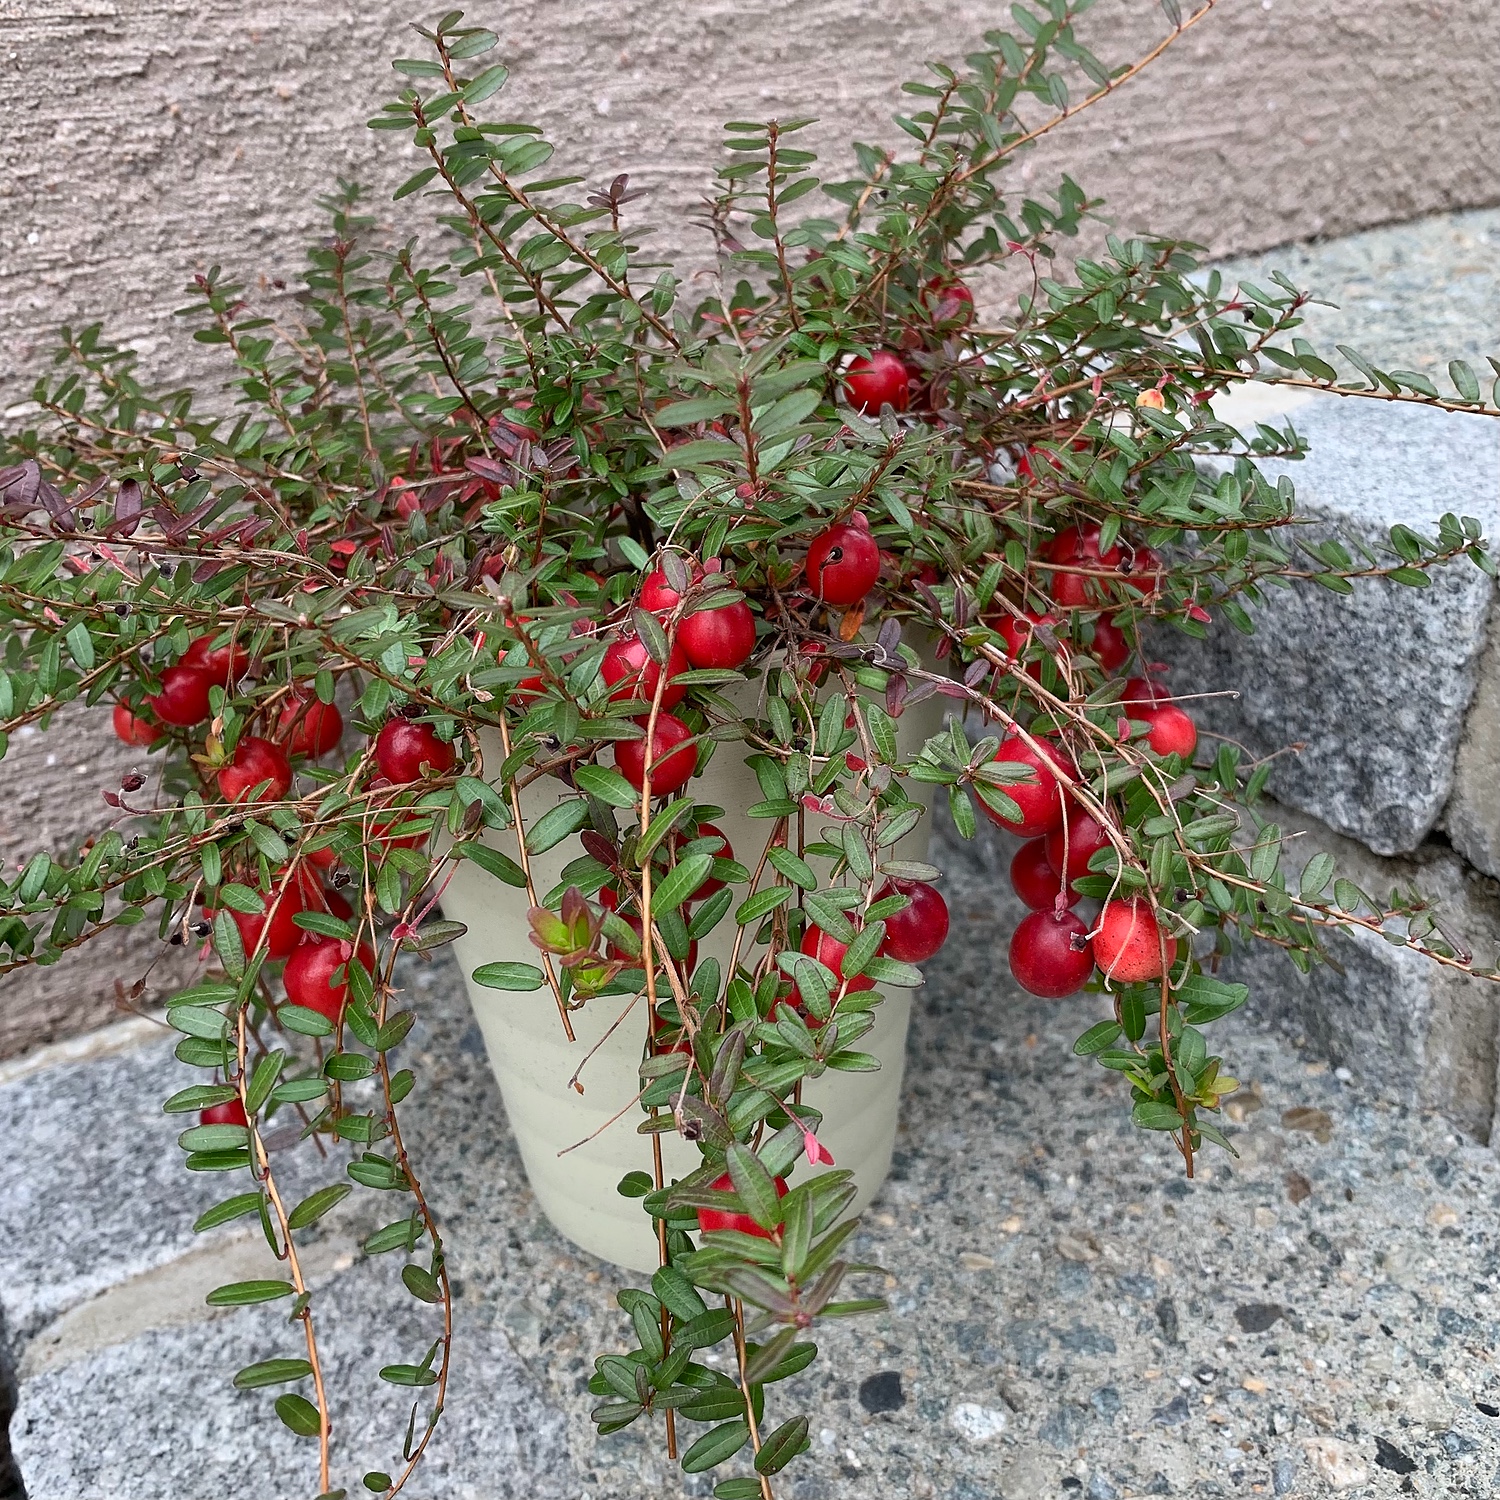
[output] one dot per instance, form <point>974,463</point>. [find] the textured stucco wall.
<point>143,139</point>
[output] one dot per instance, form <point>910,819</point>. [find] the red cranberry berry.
<point>951,301</point>
<point>230,1112</point>
<point>719,638</point>
<point>830,953</point>
<point>914,934</point>
<point>1143,572</point>
<point>1050,954</point>
<point>1172,731</point>
<point>658,596</point>
<point>225,664</point>
<point>284,934</point>
<point>1128,945</point>
<point>843,563</point>
<point>403,750</point>
<point>183,699</point>
<point>1017,632</point>
<point>134,729</point>
<point>256,760</point>
<point>1140,697</point>
<point>710,1219</point>
<point>1084,839</point>
<point>309,975</point>
<point>1039,800</point>
<point>671,766</point>
<point>1034,878</point>
<point>881,380</point>
<point>629,669</point>
<point>308,726</point>
<point>1110,645</point>
<point>1079,548</point>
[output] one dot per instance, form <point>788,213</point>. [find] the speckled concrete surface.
<point>1069,1316</point>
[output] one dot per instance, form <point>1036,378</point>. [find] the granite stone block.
<point>1374,688</point>
<point>1401,1023</point>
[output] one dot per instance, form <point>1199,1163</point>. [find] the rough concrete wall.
<point>141,140</point>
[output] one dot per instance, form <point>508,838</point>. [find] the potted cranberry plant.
<point>518,600</point>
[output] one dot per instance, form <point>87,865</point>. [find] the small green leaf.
<point>607,785</point>
<point>754,1185</point>
<point>305,1021</point>
<point>272,1372</point>
<point>1316,876</point>
<point>492,862</point>
<point>798,871</point>
<point>716,1445</point>
<point>681,883</point>
<point>1152,1114</point>
<point>413,183</point>
<point>227,1211</point>
<point>402,1235</point>
<point>556,824</point>
<point>762,902</point>
<point>509,976</point>
<point>245,1293</point>
<point>421,1284</point>
<point>299,1414</point>
<point>783,1445</point>
<point>315,1205</point>
<point>1097,1038</point>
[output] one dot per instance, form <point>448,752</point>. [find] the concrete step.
<point>1065,1307</point>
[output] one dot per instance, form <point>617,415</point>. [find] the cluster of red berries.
<point>1053,951</point>
<point>720,639</point>
<point>1078,547</point>
<point>315,975</point>
<point>261,768</point>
